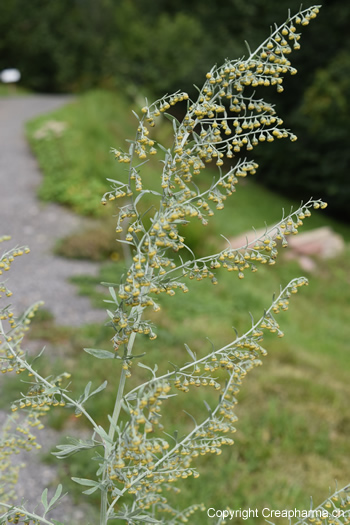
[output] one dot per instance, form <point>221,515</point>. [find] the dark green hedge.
<point>144,47</point>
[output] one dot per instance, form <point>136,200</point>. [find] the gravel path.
<point>36,476</point>
<point>39,275</point>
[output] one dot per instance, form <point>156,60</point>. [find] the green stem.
<point>28,514</point>
<point>26,365</point>
<point>277,30</point>
<point>180,444</point>
<point>115,418</point>
<point>120,393</point>
<point>103,513</point>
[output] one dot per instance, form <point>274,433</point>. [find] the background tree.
<point>143,48</point>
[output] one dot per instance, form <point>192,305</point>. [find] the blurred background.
<point>137,47</point>
<point>292,438</point>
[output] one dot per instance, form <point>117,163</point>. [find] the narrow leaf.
<point>87,390</point>
<point>44,500</point>
<point>194,421</point>
<point>171,118</point>
<point>142,193</point>
<point>162,147</point>
<point>141,365</point>
<point>85,482</point>
<point>114,426</point>
<point>125,242</point>
<point>174,126</point>
<point>190,352</point>
<point>113,294</point>
<point>145,517</point>
<point>207,407</point>
<point>99,389</point>
<point>75,446</point>
<point>102,433</point>
<point>90,491</point>
<point>138,356</point>
<point>100,354</point>
<point>116,181</point>
<point>56,496</point>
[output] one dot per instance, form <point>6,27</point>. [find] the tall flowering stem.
<point>138,461</point>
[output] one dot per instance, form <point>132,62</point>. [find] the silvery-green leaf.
<point>44,500</point>
<point>90,491</point>
<point>100,354</point>
<point>85,482</point>
<point>56,496</point>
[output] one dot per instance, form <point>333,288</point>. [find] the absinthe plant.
<point>138,460</point>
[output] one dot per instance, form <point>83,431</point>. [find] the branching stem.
<point>114,421</point>
<point>31,515</point>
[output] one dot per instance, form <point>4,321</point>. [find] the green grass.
<point>294,420</point>
<point>293,427</point>
<point>77,162</point>
<point>10,90</point>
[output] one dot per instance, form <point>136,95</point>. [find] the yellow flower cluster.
<point>183,382</point>
<point>148,273</point>
<point>254,121</point>
<point>35,403</point>
<point>21,517</point>
<point>143,463</point>
<point>8,472</point>
<point>334,510</point>
<point>40,398</point>
<point>138,451</point>
<point>183,515</point>
<point>16,435</point>
<point>10,339</point>
<point>262,250</point>
<point>154,110</point>
<point>7,258</point>
<point>226,120</point>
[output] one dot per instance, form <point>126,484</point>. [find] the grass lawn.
<point>11,90</point>
<point>293,427</point>
<point>76,162</point>
<point>292,437</point>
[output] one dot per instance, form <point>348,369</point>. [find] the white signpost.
<point>10,76</point>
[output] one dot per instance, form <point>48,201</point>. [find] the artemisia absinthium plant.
<point>22,438</point>
<point>137,458</point>
<point>19,429</point>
